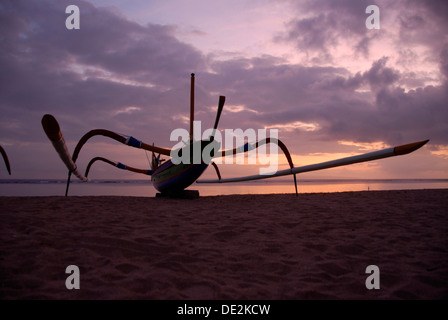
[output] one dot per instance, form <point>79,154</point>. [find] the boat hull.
<point>173,178</point>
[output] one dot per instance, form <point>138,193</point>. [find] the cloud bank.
<point>117,74</point>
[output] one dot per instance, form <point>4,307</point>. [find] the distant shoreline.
<point>238,194</point>
<point>38,187</point>
<point>31,181</point>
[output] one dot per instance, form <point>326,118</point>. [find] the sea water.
<point>143,188</point>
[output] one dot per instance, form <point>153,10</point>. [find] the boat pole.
<point>5,158</point>
<point>192,106</point>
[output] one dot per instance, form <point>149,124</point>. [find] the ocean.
<point>143,188</point>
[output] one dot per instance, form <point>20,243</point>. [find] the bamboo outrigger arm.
<point>376,155</point>
<point>53,132</point>
<point>248,147</point>
<point>130,141</point>
<point>118,165</point>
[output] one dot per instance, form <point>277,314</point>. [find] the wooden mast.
<point>192,106</point>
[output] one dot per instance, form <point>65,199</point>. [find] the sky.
<point>311,69</point>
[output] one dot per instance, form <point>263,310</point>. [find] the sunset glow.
<point>310,69</point>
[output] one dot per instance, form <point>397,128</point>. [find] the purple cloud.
<point>331,97</point>
<point>87,73</point>
<point>117,74</point>
<point>325,24</point>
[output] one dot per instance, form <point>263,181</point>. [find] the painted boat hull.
<point>172,178</point>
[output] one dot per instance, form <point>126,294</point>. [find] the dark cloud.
<point>325,24</point>
<point>110,63</point>
<point>322,25</point>
<point>338,102</point>
<point>387,112</point>
<point>380,75</point>
<point>436,10</point>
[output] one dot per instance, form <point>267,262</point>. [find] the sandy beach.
<point>315,246</point>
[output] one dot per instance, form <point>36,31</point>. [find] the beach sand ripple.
<point>315,246</point>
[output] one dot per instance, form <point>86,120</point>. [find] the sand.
<point>316,246</point>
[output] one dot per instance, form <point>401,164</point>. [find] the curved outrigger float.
<point>171,178</point>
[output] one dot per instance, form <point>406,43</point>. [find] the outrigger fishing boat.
<point>171,178</point>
